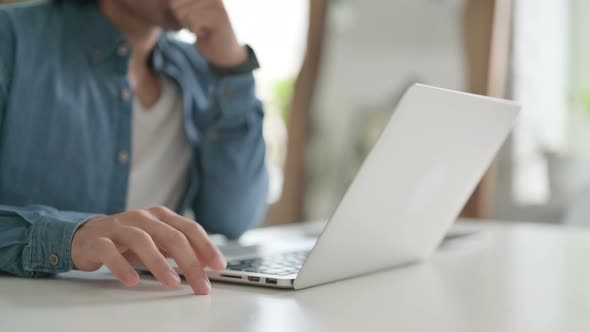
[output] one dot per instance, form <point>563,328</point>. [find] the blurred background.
<point>332,72</point>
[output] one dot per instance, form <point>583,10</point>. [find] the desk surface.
<point>515,277</point>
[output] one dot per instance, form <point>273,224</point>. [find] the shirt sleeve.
<point>36,241</point>
<point>231,160</point>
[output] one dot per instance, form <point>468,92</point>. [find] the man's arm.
<point>231,161</point>
<point>34,241</point>
<point>231,157</point>
<point>38,240</point>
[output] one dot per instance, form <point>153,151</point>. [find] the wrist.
<point>235,57</point>
<point>248,65</point>
<point>52,236</point>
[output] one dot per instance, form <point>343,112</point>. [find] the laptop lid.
<point>412,185</point>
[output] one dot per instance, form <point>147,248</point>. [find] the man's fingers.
<point>177,4</point>
<point>199,17</point>
<point>187,261</point>
<point>208,253</point>
<point>176,244</point>
<point>110,256</point>
<point>184,5</point>
<point>142,244</point>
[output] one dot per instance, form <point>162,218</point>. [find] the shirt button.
<point>125,95</point>
<point>228,93</point>
<point>53,260</point>
<point>123,50</point>
<point>97,55</point>
<point>123,157</point>
<point>213,135</point>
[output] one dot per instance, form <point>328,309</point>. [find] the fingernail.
<point>203,287</point>
<point>130,279</point>
<point>220,261</point>
<point>172,279</point>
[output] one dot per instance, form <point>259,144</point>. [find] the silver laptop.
<point>408,192</point>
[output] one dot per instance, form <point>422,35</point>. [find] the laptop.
<point>406,195</point>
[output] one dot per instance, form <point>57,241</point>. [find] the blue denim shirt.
<point>65,115</point>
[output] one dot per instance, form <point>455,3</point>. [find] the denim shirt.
<point>65,121</point>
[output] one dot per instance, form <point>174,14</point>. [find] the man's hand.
<point>147,236</point>
<point>216,39</point>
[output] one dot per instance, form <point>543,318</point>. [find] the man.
<point>101,112</point>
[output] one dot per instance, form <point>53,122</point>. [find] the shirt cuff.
<point>50,242</point>
<point>237,94</point>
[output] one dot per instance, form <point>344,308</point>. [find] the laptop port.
<point>271,281</point>
<point>230,276</point>
<point>255,279</point>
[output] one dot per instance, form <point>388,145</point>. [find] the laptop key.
<point>283,264</point>
<point>244,268</point>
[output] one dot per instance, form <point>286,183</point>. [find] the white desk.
<point>506,278</point>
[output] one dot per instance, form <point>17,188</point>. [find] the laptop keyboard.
<point>281,265</point>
